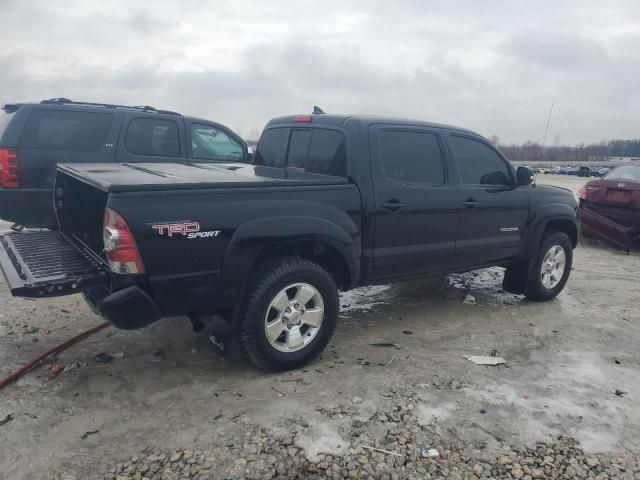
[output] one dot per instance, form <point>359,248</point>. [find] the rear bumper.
<point>31,207</point>
<point>606,228</point>
<point>129,309</point>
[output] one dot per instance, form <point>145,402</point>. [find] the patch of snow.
<point>321,438</point>
<point>363,298</point>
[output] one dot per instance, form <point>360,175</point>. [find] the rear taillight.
<point>8,168</point>
<point>582,193</point>
<point>122,252</point>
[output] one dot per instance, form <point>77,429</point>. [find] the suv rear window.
<point>5,118</point>
<point>153,136</point>
<point>66,130</point>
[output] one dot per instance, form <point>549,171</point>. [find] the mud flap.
<point>516,277</point>
<point>607,230</point>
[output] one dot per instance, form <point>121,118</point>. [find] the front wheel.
<point>550,268</point>
<point>288,314</point>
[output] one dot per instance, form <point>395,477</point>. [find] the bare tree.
<point>495,139</point>
<point>254,134</point>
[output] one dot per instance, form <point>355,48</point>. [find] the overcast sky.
<point>491,66</point>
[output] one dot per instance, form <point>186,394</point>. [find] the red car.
<point>610,207</point>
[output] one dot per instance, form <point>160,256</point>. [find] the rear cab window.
<point>312,150</point>
<point>298,148</point>
<point>66,130</point>
<point>272,148</point>
<point>327,153</point>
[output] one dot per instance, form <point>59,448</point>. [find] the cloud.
<point>492,67</point>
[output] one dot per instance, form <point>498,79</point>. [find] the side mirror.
<point>524,176</point>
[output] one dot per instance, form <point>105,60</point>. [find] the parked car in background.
<point>587,172</point>
<point>610,207</point>
<point>34,137</point>
<point>602,171</point>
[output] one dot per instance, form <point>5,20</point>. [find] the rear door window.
<point>479,164</point>
<point>412,157</point>
<point>153,137</point>
<point>272,147</point>
<point>211,143</point>
<point>66,130</point>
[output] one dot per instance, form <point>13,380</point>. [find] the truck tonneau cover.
<point>124,177</point>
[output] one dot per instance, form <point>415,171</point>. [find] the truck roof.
<point>343,120</point>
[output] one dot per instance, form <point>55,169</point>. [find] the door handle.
<point>393,205</point>
<point>470,203</point>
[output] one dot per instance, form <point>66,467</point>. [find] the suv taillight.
<point>122,252</point>
<point>8,168</point>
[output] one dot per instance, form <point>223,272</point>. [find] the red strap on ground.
<point>52,351</point>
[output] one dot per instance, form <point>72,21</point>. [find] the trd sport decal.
<point>186,229</point>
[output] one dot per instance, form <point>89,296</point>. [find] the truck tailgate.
<point>47,264</point>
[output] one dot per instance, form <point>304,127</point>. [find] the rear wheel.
<point>550,268</point>
<point>288,315</point>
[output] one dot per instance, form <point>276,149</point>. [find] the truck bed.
<point>162,176</point>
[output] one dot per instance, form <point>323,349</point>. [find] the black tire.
<point>535,289</point>
<point>270,279</point>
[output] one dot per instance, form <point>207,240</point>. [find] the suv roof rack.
<point>145,108</point>
<point>11,107</point>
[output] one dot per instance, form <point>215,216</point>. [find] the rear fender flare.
<point>251,238</point>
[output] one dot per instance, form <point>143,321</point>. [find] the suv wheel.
<point>288,315</point>
<point>550,268</point>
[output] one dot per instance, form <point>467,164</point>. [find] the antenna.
<point>317,110</point>
<point>546,131</point>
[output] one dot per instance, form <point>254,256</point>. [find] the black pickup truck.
<point>331,202</point>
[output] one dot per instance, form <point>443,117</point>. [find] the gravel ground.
<point>389,444</point>
<point>157,403</point>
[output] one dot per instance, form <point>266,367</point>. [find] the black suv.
<point>36,137</point>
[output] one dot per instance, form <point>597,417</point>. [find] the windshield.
<point>629,172</point>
